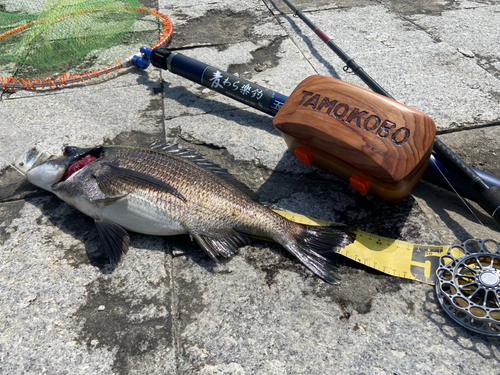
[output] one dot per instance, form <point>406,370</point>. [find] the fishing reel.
<point>468,285</point>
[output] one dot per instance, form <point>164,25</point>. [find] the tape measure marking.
<point>392,257</point>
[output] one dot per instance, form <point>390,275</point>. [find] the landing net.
<point>49,43</point>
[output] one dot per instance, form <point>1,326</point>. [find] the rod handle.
<point>489,200</point>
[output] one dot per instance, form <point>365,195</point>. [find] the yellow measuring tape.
<point>393,257</point>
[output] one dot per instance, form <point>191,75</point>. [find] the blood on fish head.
<point>56,170</point>
<point>76,166</point>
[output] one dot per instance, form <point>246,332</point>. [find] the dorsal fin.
<point>200,161</point>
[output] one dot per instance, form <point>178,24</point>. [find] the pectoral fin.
<point>226,246</point>
<point>110,173</point>
<point>114,239</point>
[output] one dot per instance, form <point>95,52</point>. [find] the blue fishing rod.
<point>445,169</point>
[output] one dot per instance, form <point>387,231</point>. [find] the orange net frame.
<point>65,79</point>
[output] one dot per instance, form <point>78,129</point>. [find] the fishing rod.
<point>272,103</point>
<point>350,63</point>
<point>489,195</point>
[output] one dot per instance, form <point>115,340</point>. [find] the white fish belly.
<point>141,218</point>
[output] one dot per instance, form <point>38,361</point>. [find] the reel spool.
<point>468,285</point>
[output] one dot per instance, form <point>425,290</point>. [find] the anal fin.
<point>225,246</point>
<point>114,239</point>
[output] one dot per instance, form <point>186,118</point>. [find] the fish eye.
<point>69,150</point>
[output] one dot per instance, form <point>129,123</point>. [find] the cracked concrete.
<point>168,308</point>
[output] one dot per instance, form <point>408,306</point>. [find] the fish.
<point>167,190</point>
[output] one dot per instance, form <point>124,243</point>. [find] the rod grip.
<point>489,200</point>
<point>232,86</point>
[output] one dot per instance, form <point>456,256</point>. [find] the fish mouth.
<point>79,159</point>
<point>48,174</point>
<point>35,155</point>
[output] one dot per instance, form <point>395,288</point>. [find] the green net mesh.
<point>42,38</point>
<point>62,30</point>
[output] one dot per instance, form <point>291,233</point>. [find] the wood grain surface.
<point>378,136</point>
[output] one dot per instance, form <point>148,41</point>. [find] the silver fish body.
<point>169,191</point>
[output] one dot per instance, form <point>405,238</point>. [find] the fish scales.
<point>210,202</point>
<point>171,191</point>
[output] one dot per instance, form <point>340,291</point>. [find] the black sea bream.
<point>168,191</point>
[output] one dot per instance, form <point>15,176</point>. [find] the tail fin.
<point>314,244</point>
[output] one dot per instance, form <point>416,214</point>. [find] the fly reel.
<point>468,285</point>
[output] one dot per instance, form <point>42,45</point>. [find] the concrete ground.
<point>168,308</point>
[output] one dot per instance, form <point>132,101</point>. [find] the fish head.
<point>49,173</point>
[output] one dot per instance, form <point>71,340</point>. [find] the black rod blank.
<point>350,63</point>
